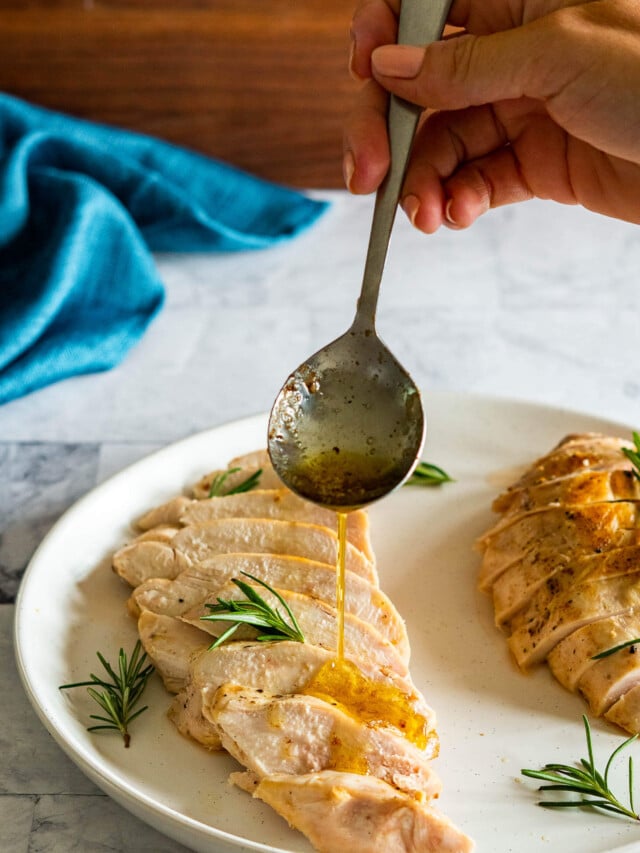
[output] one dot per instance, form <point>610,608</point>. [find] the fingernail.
<point>397,60</point>
<point>355,73</point>
<point>447,213</point>
<point>352,51</point>
<point>411,206</point>
<point>348,168</point>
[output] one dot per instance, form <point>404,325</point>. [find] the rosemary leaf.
<point>217,485</point>
<point>614,649</point>
<point>586,781</point>
<point>427,474</point>
<point>634,455</point>
<point>254,611</point>
<point>118,696</point>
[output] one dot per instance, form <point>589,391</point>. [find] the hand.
<point>535,98</point>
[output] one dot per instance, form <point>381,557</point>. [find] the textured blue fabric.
<point>82,206</point>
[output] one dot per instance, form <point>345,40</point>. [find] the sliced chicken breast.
<point>204,581</point>
<point>346,811</point>
<point>352,740</point>
<point>303,734</point>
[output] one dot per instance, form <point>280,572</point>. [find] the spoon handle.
<point>421,22</point>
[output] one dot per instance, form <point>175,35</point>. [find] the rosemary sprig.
<point>586,781</point>
<point>427,474</point>
<point>254,611</point>
<point>614,649</point>
<point>251,482</point>
<point>634,455</point>
<point>121,694</point>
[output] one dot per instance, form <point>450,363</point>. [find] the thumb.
<point>469,70</point>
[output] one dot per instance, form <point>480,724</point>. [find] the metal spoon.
<point>347,426</point>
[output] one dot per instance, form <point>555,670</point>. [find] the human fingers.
<point>365,142</point>
<point>460,167</point>
<point>464,163</point>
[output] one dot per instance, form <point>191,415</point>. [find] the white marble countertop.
<point>536,302</point>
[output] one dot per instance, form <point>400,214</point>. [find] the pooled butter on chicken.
<point>563,567</point>
<point>343,750</point>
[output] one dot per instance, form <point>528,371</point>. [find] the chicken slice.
<point>171,645</point>
<point>318,622</point>
<point>574,453</point>
<point>137,561</point>
<point>573,656</point>
<point>281,504</point>
<point>344,811</point>
<point>520,582</point>
<point>587,602</point>
<point>258,503</point>
<point>585,528</point>
<point>516,585</point>
<point>608,679</point>
<point>626,711</point>
<point>162,533</point>
<point>272,536</point>
<point>284,667</point>
<point>167,513</point>
<point>295,734</point>
<point>583,487</point>
<point>203,582</point>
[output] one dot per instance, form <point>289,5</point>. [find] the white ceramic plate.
<point>492,719</point>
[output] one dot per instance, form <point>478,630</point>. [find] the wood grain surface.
<point>261,84</point>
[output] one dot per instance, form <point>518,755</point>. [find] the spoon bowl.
<point>348,425</point>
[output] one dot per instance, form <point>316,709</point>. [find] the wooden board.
<point>261,84</point>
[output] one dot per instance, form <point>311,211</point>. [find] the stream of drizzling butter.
<point>340,582</point>
<point>341,681</point>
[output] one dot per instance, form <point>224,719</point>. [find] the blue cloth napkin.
<point>82,206</point>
